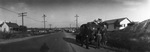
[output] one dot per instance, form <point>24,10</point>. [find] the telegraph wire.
<point>9,10</point>
<point>19,13</point>
<point>33,19</point>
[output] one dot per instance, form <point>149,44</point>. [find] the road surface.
<point>56,42</point>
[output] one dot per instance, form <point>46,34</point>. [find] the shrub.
<point>129,40</point>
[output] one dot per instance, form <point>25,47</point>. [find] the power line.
<point>24,14</point>
<point>33,19</point>
<point>9,10</point>
<point>18,13</point>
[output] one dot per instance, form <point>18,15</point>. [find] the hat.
<point>99,19</point>
<point>95,21</point>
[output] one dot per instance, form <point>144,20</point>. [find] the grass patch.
<point>133,41</point>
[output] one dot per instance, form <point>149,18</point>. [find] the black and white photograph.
<point>74,25</point>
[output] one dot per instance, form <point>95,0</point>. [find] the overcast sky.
<point>60,13</point>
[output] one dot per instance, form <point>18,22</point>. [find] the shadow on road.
<point>73,41</point>
<point>44,48</point>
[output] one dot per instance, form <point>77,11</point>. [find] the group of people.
<point>92,32</point>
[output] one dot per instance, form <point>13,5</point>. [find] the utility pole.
<point>16,21</point>
<point>76,20</point>
<point>44,20</point>
<point>50,26</point>
<point>22,15</point>
<point>70,26</point>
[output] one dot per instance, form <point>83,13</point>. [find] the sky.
<point>61,13</point>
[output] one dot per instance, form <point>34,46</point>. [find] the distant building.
<point>9,27</point>
<point>117,24</point>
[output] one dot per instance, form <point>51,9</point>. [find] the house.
<point>9,27</point>
<point>117,24</point>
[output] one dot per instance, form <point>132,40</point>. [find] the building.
<point>117,24</point>
<point>9,27</point>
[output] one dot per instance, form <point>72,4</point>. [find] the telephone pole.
<point>76,20</point>
<point>70,26</point>
<point>50,26</point>
<point>44,20</point>
<point>22,15</point>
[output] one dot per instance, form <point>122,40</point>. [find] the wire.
<point>9,10</point>
<point>33,19</point>
<point>18,13</point>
